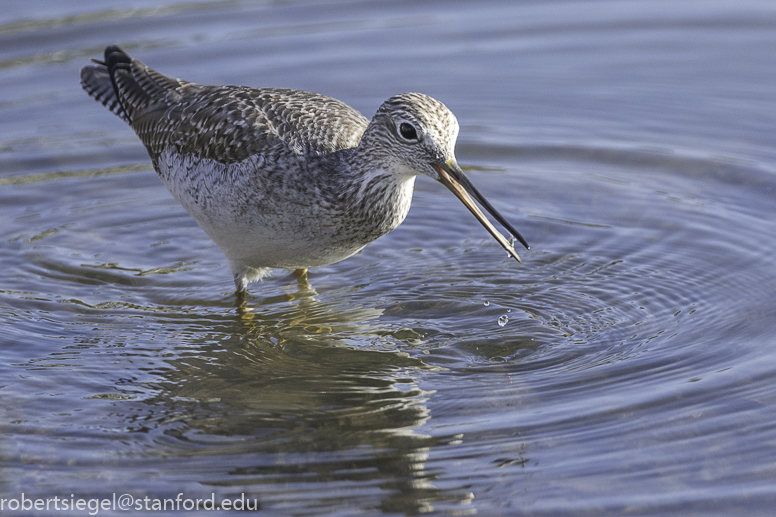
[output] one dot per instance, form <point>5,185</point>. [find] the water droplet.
<point>486,303</point>
<point>509,310</point>
<point>512,240</point>
<point>503,320</point>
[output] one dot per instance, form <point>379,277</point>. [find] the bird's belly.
<point>270,241</point>
<point>260,223</point>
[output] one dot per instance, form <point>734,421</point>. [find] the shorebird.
<point>283,178</point>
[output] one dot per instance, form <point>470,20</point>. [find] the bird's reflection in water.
<point>299,396</point>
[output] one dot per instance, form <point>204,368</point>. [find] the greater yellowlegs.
<point>282,178</point>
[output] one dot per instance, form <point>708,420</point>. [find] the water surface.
<point>630,142</point>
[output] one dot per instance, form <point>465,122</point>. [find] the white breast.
<point>263,220</point>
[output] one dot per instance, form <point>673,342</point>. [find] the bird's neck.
<point>380,195</point>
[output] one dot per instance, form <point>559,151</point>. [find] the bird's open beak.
<point>452,177</point>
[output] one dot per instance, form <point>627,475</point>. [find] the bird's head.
<point>416,134</point>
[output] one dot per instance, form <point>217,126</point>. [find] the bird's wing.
<point>223,123</point>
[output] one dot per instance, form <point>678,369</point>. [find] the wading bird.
<point>282,178</point>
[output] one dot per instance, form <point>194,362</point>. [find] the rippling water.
<point>625,368</point>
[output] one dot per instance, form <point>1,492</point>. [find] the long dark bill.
<point>454,179</point>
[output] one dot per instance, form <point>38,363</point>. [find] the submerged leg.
<point>241,292</point>
<point>301,280</point>
<point>242,277</point>
<point>240,299</point>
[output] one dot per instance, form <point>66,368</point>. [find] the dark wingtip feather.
<point>135,86</point>
<point>115,57</point>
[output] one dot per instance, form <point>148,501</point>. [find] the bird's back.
<point>226,124</point>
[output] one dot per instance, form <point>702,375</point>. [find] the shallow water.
<point>630,142</point>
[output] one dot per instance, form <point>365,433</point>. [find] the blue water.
<point>630,142</point>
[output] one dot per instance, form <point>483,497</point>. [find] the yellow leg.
<point>301,279</point>
<point>240,297</point>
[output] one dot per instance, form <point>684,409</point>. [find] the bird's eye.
<point>408,131</point>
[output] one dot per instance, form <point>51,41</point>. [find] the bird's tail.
<point>124,85</point>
